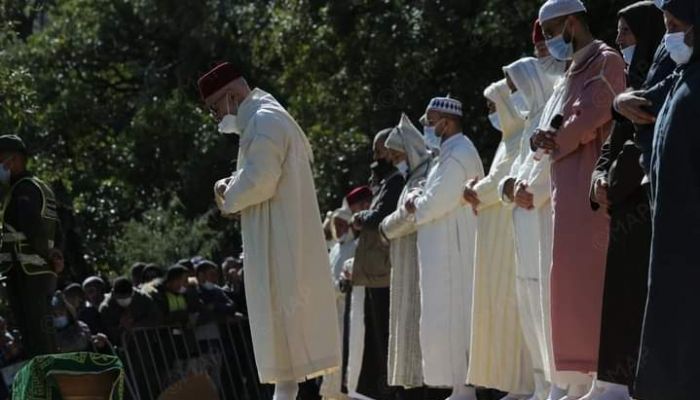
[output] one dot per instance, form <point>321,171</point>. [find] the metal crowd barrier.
<point>158,358</point>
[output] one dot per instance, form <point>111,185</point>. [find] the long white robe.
<point>499,357</point>
<point>533,228</point>
<point>340,253</point>
<point>291,302</point>
<point>446,247</point>
<point>356,342</point>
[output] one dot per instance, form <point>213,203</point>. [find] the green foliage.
<point>104,91</point>
<point>178,237</point>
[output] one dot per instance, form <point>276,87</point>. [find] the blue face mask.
<point>60,322</point>
<point>5,174</point>
<point>431,139</point>
<point>559,49</point>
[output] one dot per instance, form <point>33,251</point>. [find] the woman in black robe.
<point>619,167</point>
<point>669,365</point>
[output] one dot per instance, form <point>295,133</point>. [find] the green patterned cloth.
<point>35,380</point>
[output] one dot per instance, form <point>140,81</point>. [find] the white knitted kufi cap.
<point>559,8</point>
<point>445,105</point>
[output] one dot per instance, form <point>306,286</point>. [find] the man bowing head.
<point>291,309</point>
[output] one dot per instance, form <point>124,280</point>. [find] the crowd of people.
<point>563,273</point>
<point>94,315</point>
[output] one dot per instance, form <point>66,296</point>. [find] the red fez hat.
<point>537,34</point>
<point>218,77</point>
<point>359,194</point>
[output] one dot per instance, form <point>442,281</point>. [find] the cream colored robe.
<point>446,247</point>
<point>290,296</point>
<point>533,228</point>
<point>499,357</point>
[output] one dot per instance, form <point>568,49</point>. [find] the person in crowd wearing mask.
<point>10,348</point>
<point>641,105</point>
<point>233,277</point>
<point>499,358</point>
<point>446,247</point>
<point>136,273</point>
<point>150,274</point>
<point>291,311</point>
<point>584,100</point>
<point>358,199</point>
<point>372,269</point>
<point>406,146</point>
<point>616,185</point>
<point>215,303</point>
<point>169,295</point>
<point>94,288</point>
<point>527,188</point>
<point>538,41</point>
<point>75,295</point>
<point>125,308</point>
<point>29,241</point>
<point>667,365</point>
<point>549,65</point>
<point>73,335</point>
<point>342,250</point>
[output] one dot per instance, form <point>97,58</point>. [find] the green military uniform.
<point>29,227</point>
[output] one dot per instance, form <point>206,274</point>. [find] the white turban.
<point>407,139</point>
<point>559,8</point>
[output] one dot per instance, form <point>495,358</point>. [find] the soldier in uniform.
<point>29,258</point>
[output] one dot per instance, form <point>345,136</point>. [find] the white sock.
<point>612,391</point>
<point>556,393</point>
<point>461,392</point>
<point>286,390</point>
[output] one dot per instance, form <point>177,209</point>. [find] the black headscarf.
<point>646,22</point>
<point>687,11</point>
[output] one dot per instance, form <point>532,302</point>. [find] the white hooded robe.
<point>499,358</point>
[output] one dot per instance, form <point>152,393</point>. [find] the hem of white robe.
<point>269,376</point>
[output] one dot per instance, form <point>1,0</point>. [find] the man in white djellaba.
<point>446,247</point>
<point>292,309</point>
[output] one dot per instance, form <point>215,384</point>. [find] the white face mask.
<point>679,51</point>
<point>403,167</point>
<point>628,53</point>
<point>229,123</point>
<point>431,139</point>
<point>551,66</point>
<point>520,104</point>
<point>208,285</point>
<point>182,290</point>
<point>125,302</point>
<point>558,47</point>
<point>495,121</point>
